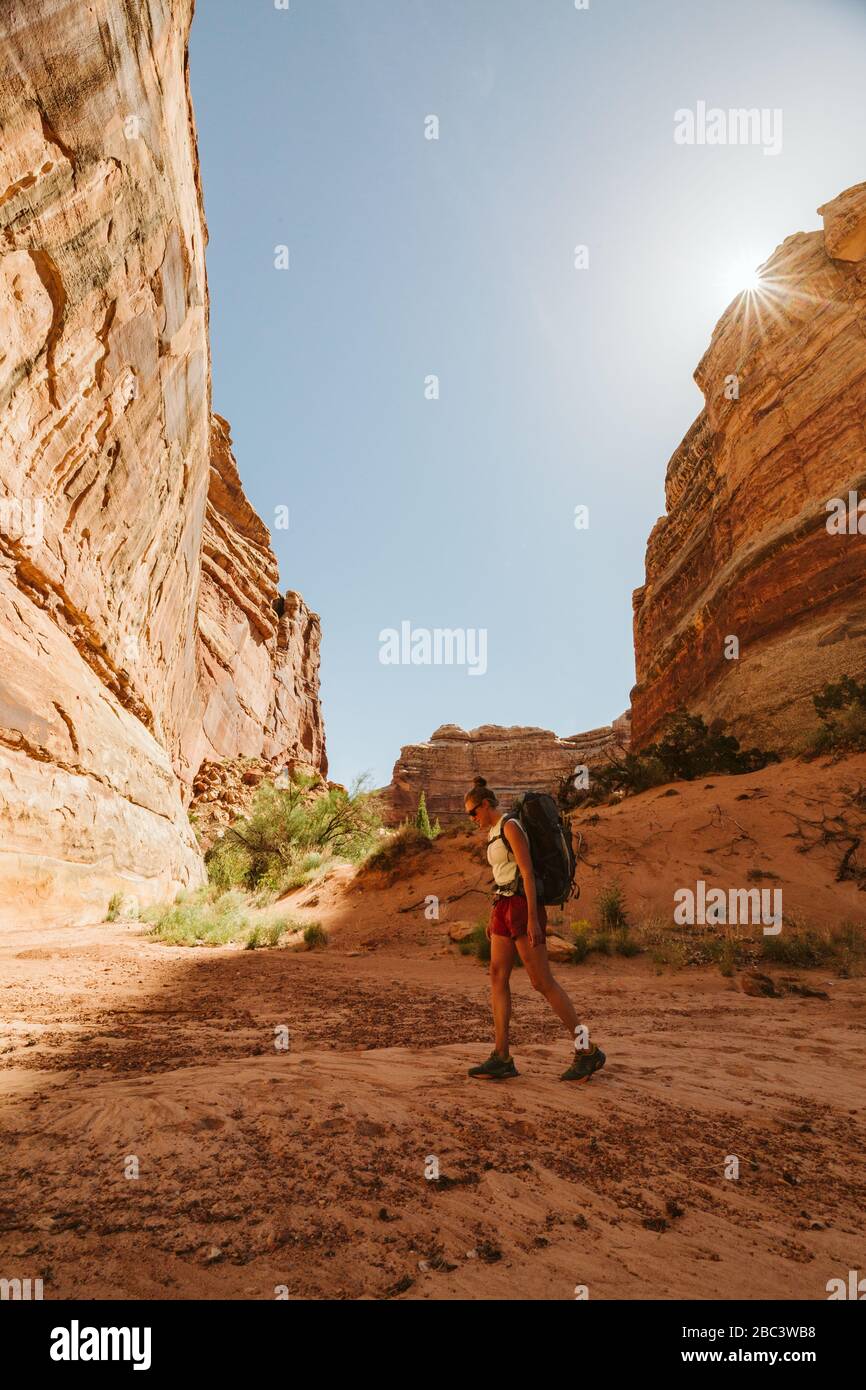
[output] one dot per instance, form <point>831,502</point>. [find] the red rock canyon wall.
<point>744,549</point>
<point>141,627</point>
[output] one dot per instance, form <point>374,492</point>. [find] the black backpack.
<point>549,844</point>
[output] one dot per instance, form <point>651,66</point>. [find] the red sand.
<point>306,1168</point>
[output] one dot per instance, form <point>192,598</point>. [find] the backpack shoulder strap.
<point>509,815</point>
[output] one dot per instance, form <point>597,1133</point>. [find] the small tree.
<point>283,827</point>
<point>422,819</point>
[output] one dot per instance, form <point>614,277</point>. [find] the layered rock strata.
<point>513,760</point>
<point>141,628</point>
<point>745,551</point>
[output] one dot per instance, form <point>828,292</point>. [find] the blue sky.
<point>411,257</point>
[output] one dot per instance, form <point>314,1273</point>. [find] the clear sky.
<point>412,257</point>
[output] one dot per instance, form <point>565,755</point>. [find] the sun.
<point>742,277</point>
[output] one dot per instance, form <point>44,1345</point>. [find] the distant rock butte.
<point>513,760</point>
<point>744,549</point>
<point>142,630</point>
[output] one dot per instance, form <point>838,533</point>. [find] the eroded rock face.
<point>258,648</point>
<point>141,628</point>
<point>744,550</point>
<point>513,760</point>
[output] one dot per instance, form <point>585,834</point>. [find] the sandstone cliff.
<point>141,629</point>
<point>258,649</point>
<point>744,549</point>
<point>512,759</point>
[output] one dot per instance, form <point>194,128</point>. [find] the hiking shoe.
<point>585,1065</point>
<point>495,1068</point>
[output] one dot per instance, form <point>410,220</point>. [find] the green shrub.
<point>585,941</point>
<point>269,933</point>
<point>611,909</point>
<point>478,944</point>
<point>228,865</point>
<point>401,844</point>
<point>841,708</point>
<point>115,903</point>
<point>199,920</point>
<point>581,947</point>
<point>799,947</point>
<point>315,937</point>
<point>849,949</point>
<point>837,696</point>
<point>422,819</point>
<point>727,957</point>
<point>288,831</point>
<point>687,748</point>
<point>285,880</point>
<point>669,952</point>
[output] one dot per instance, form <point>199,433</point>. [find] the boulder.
<point>558,949</point>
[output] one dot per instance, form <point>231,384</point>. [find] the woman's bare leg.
<point>501,965</point>
<point>538,969</point>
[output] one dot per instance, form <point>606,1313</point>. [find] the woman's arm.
<point>515,835</point>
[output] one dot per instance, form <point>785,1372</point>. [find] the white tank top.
<point>501,859</point>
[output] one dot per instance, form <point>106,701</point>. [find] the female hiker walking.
<point>517,923</point>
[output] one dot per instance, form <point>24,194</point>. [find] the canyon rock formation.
<point>744,550</point>
<point>141,627</point>
<point>258,649</point>
<point>513,760</point>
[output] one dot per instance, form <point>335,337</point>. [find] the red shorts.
<point>510,916</point>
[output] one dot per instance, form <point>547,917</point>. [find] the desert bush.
<point>115,903</point>
<point>611,909</point>
<point>400,845</point>
<point>228,865</point>
<point>727,957</point>
<point>626,773</point>
<point>607,941</point>
<point>270,933</point>
<point>582,948</point>
<point>803,946</point>
<point>422,820</point>
<point>315,936</point>
<point>687,748</point>
<point>273,846</point>
<point>669,952</point>
<point>841,708</point>
<point>477,944</point>
<point>199,919</point>
<point>279,880</point>
<point>849,949</point>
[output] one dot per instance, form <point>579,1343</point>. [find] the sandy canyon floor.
<point>306,1168</point>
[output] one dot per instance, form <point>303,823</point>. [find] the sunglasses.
<point>474,811</point>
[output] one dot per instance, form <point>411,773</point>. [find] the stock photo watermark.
<point>438,646</point>
<point>703,125</point>
<point>704,906</point>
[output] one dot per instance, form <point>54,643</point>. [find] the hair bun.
<point>480,781</point>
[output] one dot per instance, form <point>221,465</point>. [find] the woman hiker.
<point>518,922</point>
